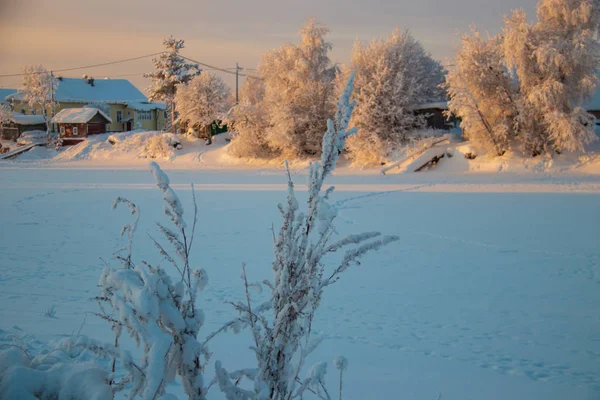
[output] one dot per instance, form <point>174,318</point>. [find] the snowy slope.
<point>128,152</point>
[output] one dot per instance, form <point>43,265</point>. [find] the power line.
<point>221,69</point>
<point>88,66</point>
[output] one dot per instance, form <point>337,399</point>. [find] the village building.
<point>434,115</point>
<point>123,103</point>
<point>75,124</point>
<point>20,123</point>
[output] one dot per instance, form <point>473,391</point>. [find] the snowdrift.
<point>134,150</point>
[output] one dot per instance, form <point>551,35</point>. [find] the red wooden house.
<point>75,124</point>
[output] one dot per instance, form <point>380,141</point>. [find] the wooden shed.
<point>20,123</point>
<point>434,115</point>
<point>75,124</point>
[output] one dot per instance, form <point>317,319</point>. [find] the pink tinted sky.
<point>71,33</point>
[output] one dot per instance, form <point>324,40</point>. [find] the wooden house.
<point>126,106</point>
<point>75,124</point>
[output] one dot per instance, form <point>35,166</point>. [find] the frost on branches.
<point>171,70</point>
<point>281,327</point>
<point>482,93</point>
<point>249,123</point>
<point>298,94</point>
<point>556,61</point>
<point>38,86</point>
<point>155,310</point>
<point>393,76</point>
<point>205,99</point>
<point>554,65</point>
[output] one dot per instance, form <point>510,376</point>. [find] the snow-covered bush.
<point>483,94</point>
<point>281,327</point>
<point>155,310</point>
<point>159,146</point>
<point>56,374</point>
<point>249,123</point>
<point>393,76</point>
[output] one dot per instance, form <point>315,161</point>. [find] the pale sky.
<point>72,33</point>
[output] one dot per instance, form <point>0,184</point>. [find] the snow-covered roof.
<point>442,105</point>
<point>5,92</point>
<point>22,119</point>
<point>143,106</point>
<point>78,90</point>
<point>77,115</point>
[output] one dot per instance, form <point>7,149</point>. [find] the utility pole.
<point>52,97</point>
<point>237,75</point>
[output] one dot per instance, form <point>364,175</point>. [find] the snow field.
<point>486,295</point>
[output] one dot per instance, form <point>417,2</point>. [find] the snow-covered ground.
<point>492,291</point>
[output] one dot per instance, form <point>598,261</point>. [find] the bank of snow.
<point>135,149</point>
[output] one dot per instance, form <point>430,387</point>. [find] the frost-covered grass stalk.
<point>158,312</point>
<point>281,327</point>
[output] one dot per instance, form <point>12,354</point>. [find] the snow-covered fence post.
<point>281,327</point>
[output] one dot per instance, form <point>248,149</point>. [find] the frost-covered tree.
<point>205,99</point>
<point>249,122</point>
<point>298,92</point>
<point>393,76</point>
<point>38,86</point>
<point>281,327</point>
<point>171,70</point>
<point>556,61</point>
<point>482,93</point>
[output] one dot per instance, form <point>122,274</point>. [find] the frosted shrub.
<point>249,122</point>
<point>158,146</point>
<point>281,326</point>
<point>154,309</point>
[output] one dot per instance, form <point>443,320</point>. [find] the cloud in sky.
<point>67,33</point>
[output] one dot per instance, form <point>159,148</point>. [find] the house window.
<point>119,116</point>
<point>165,112</point>
<point>75,131</point>
<point>23,111</point>
<point>144,115</point>
<point>32,111</point>
<point>62,130</point>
